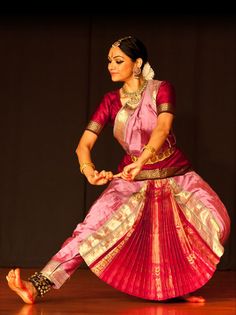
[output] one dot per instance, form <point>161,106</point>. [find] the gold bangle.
<point>150,148</point>
<point>84,165</point>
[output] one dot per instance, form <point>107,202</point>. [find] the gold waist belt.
<point>157,157</point>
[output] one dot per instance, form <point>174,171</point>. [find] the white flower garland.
<point>148,73</point>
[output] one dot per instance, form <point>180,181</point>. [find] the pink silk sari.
<point>156,238</point>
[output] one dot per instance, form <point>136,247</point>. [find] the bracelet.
<point>84,165</point>
<point>150,148</point>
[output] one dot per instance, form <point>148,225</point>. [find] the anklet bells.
<point>41,283</point>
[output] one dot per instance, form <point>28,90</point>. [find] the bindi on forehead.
<point>115,57</point>
<point>116,53</point>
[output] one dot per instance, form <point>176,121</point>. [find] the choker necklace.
<point>134,97</point>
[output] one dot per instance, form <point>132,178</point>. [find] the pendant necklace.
<point>134,97</point>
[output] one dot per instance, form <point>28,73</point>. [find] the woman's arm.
<point>157,138</point>
<point>87,167</point>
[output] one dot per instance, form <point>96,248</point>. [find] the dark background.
<point>54,73</point>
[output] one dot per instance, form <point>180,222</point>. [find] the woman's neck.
<point>133,85</point>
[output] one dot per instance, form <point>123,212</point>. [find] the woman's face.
<point>120,65</point>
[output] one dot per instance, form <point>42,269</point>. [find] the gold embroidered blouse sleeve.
<point>165,107</point>
<point>94,127</point>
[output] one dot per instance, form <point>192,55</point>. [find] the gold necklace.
<point>134,97</point>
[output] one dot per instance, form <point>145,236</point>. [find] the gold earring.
<point>136,72</point>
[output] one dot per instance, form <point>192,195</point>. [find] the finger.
<point>102,181</point>
<point>127,178</point>
<point>126,171</point>
<point>100,175</point>
<point>17,273</point>
<point>127,175</point>
<point>109,175</point>
<point>95,174</point>
<point>12,273</point>
<point>117,175</point>
<point>103,173</point>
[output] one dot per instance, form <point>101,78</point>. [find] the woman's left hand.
<point>100,178</point>
<point>129,171</point>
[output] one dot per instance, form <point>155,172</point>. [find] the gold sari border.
<point>120,125</point>
<point>94,127</point>
<point>55,273</point>
<point>107,259</point>
<point>162,173</point>
<point>193,209</point>
<point>157,157</point>
<point>112,231</point>
<point>165,107</point>
<point>101,264</point>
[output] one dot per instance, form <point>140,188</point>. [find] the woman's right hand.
<point>99,178</point>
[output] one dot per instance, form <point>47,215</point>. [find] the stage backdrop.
<point>54,74</point>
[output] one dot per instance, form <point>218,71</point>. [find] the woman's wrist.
<point>150,149</point>
<point>87,167</point>
<point>88,172</point>
<point>141,161</point>
<point>147,153</point>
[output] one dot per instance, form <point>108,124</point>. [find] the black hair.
<point>133,48</point>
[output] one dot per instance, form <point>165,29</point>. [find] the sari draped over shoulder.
<point>160,236</point>
<point>133,128</point>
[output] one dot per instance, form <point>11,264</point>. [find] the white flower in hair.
<point>148,73</point>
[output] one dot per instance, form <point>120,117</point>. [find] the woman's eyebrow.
<point>117,56</point>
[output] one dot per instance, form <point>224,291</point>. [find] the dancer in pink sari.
<point>157,231</point>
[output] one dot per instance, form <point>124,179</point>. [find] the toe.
<point>11,273</point>
<point>195,299</point>
<point>18,279</point>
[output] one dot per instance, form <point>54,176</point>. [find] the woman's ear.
<point>139,62</point>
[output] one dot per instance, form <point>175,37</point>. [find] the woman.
<point>158,229</point>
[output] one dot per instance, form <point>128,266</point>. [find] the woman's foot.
<point>193,298</point>
<point>24,289</point>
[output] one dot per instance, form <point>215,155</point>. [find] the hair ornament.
<point>118,42</point>
<point>148,73</point>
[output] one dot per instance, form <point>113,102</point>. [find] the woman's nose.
<point>111,66</point>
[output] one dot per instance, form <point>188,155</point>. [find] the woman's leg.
<point>54,274</point>
<point>62,265</point>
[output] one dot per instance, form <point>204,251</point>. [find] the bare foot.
<point>24,289</point>
<point>193,298</point>
<point>27,309</point>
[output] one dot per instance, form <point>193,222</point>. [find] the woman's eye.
<point>119,61</point>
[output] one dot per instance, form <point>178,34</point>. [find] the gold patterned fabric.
<point>55,272</point>
<point>162,173</point>
<point>94,127</point>
<point>200,216</point>
<point>160,156</point>
<point>120,125</point>
<point>165,107</point>
<point>120,224</point>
